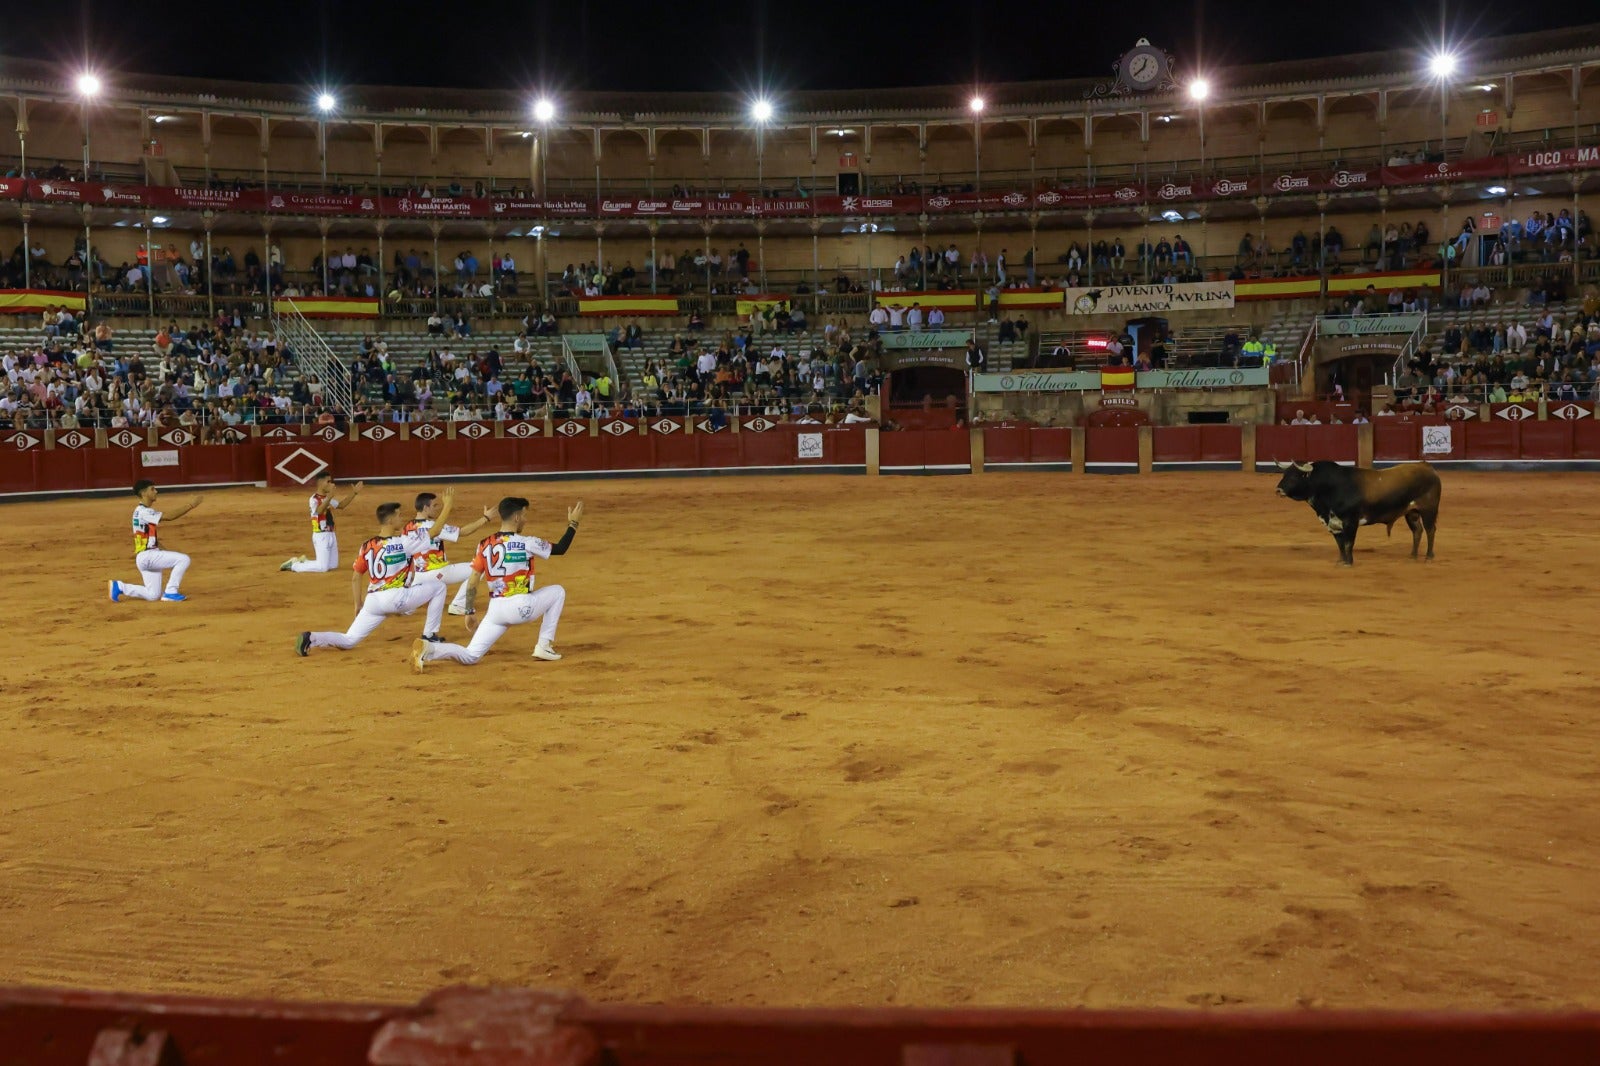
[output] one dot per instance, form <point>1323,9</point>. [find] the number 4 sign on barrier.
<point>810,445</point>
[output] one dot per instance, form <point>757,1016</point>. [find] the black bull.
<point>1346,498</point>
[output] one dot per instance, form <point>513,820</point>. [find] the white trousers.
<point>326,546</point>
<point>380,605</point>
<point>502,614</point>
<point>151,564</point>
<point>454,574</point>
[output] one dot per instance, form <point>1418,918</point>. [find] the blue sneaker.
<point>175,597</point>
<point>116,592</point>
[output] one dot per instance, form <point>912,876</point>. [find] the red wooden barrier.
<point>517,1027</point>
<point>1338,443</point>
<point>295,465</point>
<point>1111,450</point>
<point>1196,447</point>
<point>1586,439</point>
<point>1545,441</point>
<point>903,451</point>
<point>1051,444</point>
<point>1395,442</point>
<point>1174,446</point>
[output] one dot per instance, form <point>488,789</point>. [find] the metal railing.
<point>312,353</point>
<point>1533,392</point>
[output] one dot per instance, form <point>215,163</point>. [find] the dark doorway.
<point>918,386</point>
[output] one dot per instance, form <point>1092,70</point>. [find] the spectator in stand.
<point>976,358</point>
<point>1182,253</point>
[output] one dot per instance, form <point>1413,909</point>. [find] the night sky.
<point>729,46</point>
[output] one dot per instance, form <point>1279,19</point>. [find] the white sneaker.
<point>418,656</point>
<point>546,651</point>
<point>456,609</point>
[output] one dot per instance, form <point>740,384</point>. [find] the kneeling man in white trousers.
<point>384,586</point>
<point>505,563</point>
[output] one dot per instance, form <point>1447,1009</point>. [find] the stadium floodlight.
<point>976,105</point>
<point>544,110</point>
<point>1199,89</point>
<point>159,220</point>
<point>1496,190</point>
<point>761,110</point>
<point>1443,64</point>
<point>326,102</point>
<point>89,85</point>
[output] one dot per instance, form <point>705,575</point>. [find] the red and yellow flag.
<point>25,301</point>
<point>1116,377</point>
<point>745,304</point>
<point>628,305</point>
<point>1032,299</point>
<point>328,306</point>
<point>958,300</point>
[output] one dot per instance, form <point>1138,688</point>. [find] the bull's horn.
<point>1283,466</point>
<point>1303,467</point>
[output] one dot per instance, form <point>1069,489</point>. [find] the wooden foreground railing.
<point>520,1027</point>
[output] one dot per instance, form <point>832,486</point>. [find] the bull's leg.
<point>1346,539</point>
<point>1414,520</point>
<point>1430,522</point>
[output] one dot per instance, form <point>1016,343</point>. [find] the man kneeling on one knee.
<point>505,564</point>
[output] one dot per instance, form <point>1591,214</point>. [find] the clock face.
<point>1143,68</point>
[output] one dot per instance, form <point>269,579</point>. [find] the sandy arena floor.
<point>1015,739</point>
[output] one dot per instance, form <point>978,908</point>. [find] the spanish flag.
<point>956,300</point>
<point>26,301</point>
<point>628,305</point>
<point>1276,288</point>
<point>1032,299</point>
<point>745,304</point>
<point>1116,377</point>
<point>1402,279</point>
<point>328,306</point>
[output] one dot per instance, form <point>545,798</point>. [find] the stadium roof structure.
<point>1571,47</point>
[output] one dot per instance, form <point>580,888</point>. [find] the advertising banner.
<point>1341,326</point>
<point>949,338</point>
<point>1046,381</point>
<point>1220,377</point>
<point>1206,377</point>
<point>1149,299</point>
<point>1556,159</point>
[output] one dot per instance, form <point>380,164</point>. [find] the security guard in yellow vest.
<point>1269,354</point>
<point>1252,351</point>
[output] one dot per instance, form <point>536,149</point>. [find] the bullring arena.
<point>943,678</point>
<point>1209,770</point>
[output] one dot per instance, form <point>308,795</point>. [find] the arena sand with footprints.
<point>1024,739</point>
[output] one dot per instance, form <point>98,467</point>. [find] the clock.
<point>1144,67</point>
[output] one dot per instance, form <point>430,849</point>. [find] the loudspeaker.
<point>849,184</point>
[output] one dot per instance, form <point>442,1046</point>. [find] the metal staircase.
<point>314,356</point>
